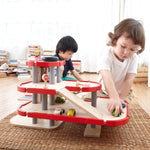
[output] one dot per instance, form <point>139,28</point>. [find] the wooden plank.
<point>93,112</point>
<point>25,98</point>
<point>92,132</point>
<point>142,74</point>
<point>27,122</point>
<point>3,75</point>
<point>142,69</point>
<point>140,80</point>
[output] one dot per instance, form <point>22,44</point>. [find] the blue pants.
<point>67,78</point>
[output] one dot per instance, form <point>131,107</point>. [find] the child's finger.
<point>116,111</point>
<point>121,110</point>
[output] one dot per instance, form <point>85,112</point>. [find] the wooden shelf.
<point>3,57</point>
<point>142,75</point>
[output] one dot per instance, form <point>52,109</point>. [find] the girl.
<point>118,67</point>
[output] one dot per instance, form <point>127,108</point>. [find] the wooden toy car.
<point>119,113</point>
<point>59,111</point>
<point>60,100</point>
<point>113,113</point>
<point>71,112</point>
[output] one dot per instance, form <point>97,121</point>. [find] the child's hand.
<point>123,102</point>
<point>115,104</point>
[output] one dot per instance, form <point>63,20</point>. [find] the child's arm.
<point>126,85</point>
<point>115,101</point>
<point>76,75</point>
<point>61,71</point>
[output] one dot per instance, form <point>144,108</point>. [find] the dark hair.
<point>66,43</point>
<point>134,30</point>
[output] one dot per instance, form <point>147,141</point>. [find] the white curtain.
<point>140,10</point>
<point>97,18</point>
<point>44,22</point>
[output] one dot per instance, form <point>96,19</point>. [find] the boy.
<point>65,49</point>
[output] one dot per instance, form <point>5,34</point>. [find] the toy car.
<point>71,112</point>
<point>113,113</point>
<point>59,111</point>
<point>60,100</point>
<point>119,113</point>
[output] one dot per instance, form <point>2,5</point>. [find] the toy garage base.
<point>80,117</point>
<point>44,124</point>
<point>27,122</point>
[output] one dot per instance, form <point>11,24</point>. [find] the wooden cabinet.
<point>142,75</point>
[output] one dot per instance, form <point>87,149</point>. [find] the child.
<point>118,66</point>
<point>65,48</point>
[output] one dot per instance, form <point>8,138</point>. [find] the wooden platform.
<point>142,75</point>
<point>80,114</point>
<point>27,122</point>
<point>93,112</point>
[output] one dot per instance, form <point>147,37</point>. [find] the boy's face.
<point>125,48</point>
<point>66,55</point>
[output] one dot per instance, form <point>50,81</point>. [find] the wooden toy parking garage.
<point>40,112</point>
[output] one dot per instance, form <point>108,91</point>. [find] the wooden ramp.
<point>92,111</point>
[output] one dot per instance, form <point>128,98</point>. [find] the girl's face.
<point>66,55</point>
<point>125,48</point>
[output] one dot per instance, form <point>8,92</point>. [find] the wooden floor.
<point>9,93</point>
<point>142,95</point>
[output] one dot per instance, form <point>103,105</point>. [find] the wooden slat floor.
<point>9,94</point>
<point>142,95</point>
